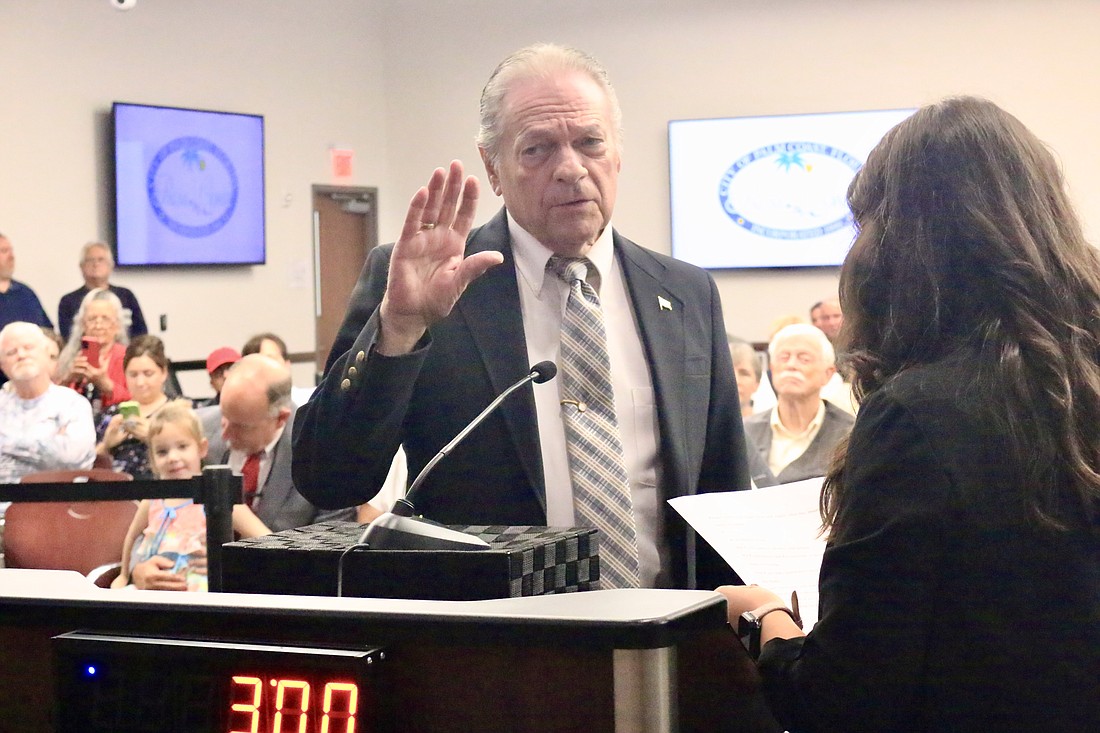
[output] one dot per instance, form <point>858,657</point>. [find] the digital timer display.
<point>124,684</point>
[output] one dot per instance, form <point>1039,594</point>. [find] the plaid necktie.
<point>601,492</point>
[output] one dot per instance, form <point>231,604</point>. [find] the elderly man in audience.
<point>92,360</point>
<point>42,426</point>
<point>96,265</point>
<point>256,415</point>
<point>795,440</point>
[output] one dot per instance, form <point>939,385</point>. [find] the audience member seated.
<point>17,301</point>
<point>796,439</point>
<point>123,437</point>
<point>764,397</point>
<point>271,345</point>
<point>217,364</point>
<point>91,362</point>
<point>42,426</point>
<point>256,416</point>
<point>54,345</point>
<point>748,370</point>
<point>827,315</point>
<point>96,265</point>
<point>165,548</point>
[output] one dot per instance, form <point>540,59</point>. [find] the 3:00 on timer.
<point>287,705</point>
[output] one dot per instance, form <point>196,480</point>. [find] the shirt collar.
<point>781,429</point>
<point>532,255</point>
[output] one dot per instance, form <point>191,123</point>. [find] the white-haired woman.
<point>91,362</point>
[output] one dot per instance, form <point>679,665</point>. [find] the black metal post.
<point>220,491</point>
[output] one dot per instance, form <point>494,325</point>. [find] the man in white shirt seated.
<point>43,427</point>
<point>796,439</point>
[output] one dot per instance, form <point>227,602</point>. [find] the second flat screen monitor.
<point>752,192</point>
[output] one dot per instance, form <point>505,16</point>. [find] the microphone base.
<point>393,532</point>
<point>521,561</point>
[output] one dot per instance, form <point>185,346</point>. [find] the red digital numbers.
<point>288,710</point>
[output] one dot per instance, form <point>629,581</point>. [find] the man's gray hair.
<point>540,59</point>
<point>16,326</point>
<point>828,353</point>
<point>88,247</point>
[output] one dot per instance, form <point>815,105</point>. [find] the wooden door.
<point>345,229</point>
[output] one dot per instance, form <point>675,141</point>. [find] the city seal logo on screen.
<point>192,187</point>
<point>789,190</point>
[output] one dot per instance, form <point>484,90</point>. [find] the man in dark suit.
<point>432,334</point>
<point>96,265</point>
<point>256,417</point>
<point>796,439</point>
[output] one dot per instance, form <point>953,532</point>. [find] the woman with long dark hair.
<point>960,590</point>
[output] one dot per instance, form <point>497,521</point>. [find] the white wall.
<point>398,81</point>
<point>714,58</point>
<point>312,69</point>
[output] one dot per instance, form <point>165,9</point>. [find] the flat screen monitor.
<point>753,192</point>
<point>189,186</point>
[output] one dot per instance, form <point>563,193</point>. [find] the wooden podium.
<point>617,661</point>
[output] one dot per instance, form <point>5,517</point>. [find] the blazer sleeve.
<point>345,437</point>
<point>878,583</point>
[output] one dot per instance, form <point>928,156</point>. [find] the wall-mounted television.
<point>752,192</point>
<point>189,186</point>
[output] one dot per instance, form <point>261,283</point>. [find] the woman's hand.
<point>741,598</point>
<point>114,434</point>
<point>83,371</point>
<point>136,427</point>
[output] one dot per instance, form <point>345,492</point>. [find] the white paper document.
<point>770,536</point>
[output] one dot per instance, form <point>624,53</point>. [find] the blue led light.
<point>90,670</point>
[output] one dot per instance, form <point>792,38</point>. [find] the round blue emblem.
<point>789,190</point>
<point>192,187</point>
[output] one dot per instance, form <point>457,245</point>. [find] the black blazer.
<point>943,606</point>
<point>367,405</point>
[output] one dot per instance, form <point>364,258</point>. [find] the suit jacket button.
<point>345,385</point>
<point>352,371</point>
<point>360,356</point>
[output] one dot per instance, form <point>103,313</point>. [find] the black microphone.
<point>397,529</point>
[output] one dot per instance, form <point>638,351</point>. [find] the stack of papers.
<point>771,537</point>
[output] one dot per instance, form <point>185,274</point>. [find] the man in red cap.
<point>217,364</point>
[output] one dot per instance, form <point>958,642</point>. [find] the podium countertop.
<point>634,618</point>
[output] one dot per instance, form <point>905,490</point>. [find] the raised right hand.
<point>428,270</point>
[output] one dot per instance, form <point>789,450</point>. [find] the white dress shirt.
<point>542,297</point>
<point>267,457</point>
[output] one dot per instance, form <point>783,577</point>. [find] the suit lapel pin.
<point>663,303</point>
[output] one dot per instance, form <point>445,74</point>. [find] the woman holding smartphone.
<point>92,360</point>
<point>124,427</point>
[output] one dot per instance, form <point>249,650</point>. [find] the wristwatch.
<point>751,622</point>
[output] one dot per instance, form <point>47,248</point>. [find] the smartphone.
<point>129,409</point>
<point>90,350</point>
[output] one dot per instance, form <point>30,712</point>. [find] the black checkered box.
<point>521,561</point>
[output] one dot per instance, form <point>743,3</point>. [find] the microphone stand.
<point>399,529</point>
